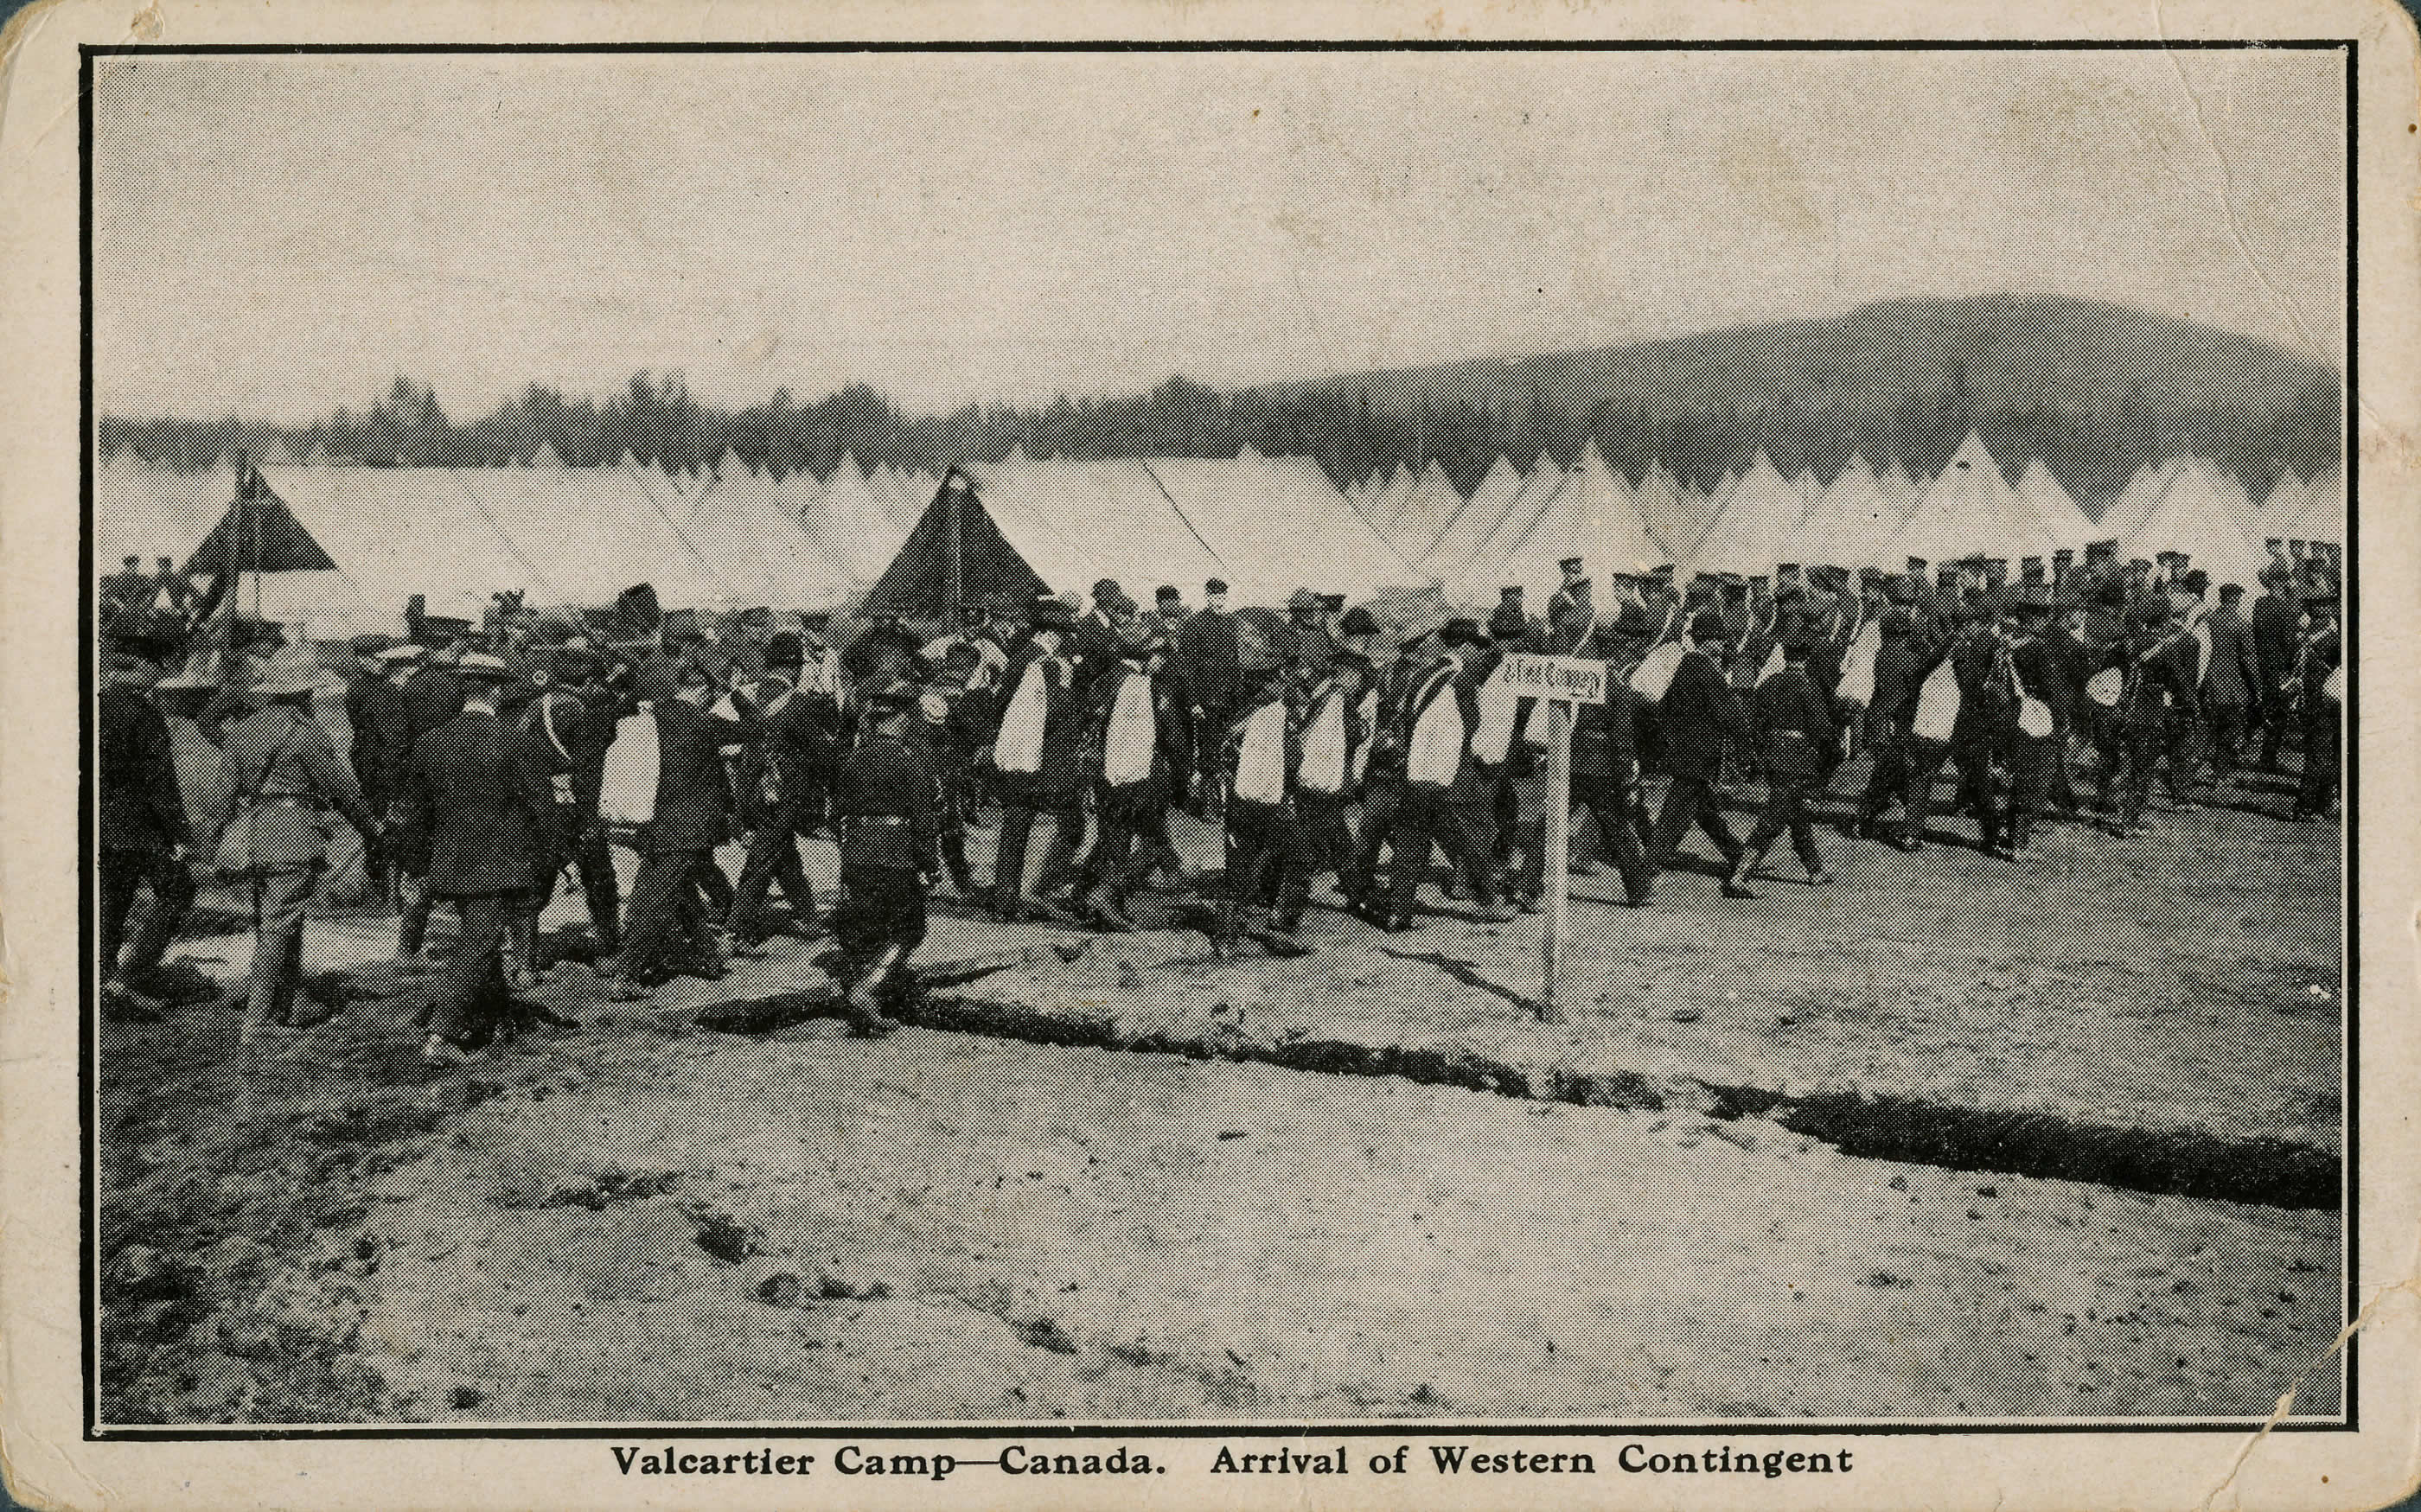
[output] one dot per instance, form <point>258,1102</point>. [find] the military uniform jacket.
<point>2275,636</point>
<point>382,746</point>
<point>1169,736</point>
<point>2234,677</point>
<point>286,774</point>
<point>1797,721</point>
<point>480,790</point>
<point>2042,670</point>
<point>1206,658</point>
<point>140,807</point>
<point>884,795</point>
<point>1059,775</point>
<point>692,790</point>
<point>1605,736</point>
<point>799,749</point>
<point>1698,711</point>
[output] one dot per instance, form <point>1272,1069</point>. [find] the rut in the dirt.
<point>1920,1132</point>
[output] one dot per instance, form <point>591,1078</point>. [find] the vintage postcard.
<point>1241,755</point>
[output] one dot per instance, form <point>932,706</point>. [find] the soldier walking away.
<point>145,837</point>
<point>665,930</point>
<point>1439,712</point>
<point>2322,710</point>
<point>1978,666</point>
<point>481,790</point>
<point>1131,743</point>
<point>1797,722</point>
<point>2036,736</point>
<point>2152,689</point>
<point>1334,738</point>
<point>1258,764</point>
<point>1605,761</point>
<point>1901,670</point>
<point>1035,754</point>
<point>571,719</point>
<point>887,837</point>
<point>778,781</point>
<point>2276,618</point>
<point>431,697</point>
<point>287,776</point>
<point>2231,684</point>
<point>1698,714</point>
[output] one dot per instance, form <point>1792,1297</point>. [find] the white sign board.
<point>1573,677</point>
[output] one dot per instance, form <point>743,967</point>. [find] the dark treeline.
<point>2244,407</point>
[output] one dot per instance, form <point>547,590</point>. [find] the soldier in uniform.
<point>2230,684</point>
<point>571,718</point>
<point>777,778</point>
<point>1259,763</point>
<point>1306,617</point>
<point>2157,689</point>
<point>287,776</point>
<point>1700,712</point>
<point>1573,597</point>
<point>1383,772</point>
<point>2037,671</point>
<point>1205,658</point>
<point>1333,735</point>
<point>1605,761</point>
<point>666,932</point>
<point>884,804</point>
<point>429,698</point>
<point>2276,616</point>
<point>145,835</point>
<point>1901,666</point>
<point>481,790</point>
<point>1796,722</point>
<point>1035,754</point>
<point>1986,697</point>
<point>1134,738</point>
<point>1167,611</point>
<point>2322,716</point>
<point>1435,717</point>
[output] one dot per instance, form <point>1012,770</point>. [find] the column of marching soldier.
<point>478,755</point>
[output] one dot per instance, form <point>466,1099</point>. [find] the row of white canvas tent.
<point>726,537</point>
<point>1516,526</point>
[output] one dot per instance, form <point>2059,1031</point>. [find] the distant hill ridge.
<point>2010,351</point>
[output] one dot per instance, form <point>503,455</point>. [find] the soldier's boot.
<point>520,953</point>
<point>867,1018</point>
<point>954,861</point>
<point>1056,860</point>
<point>1736,885</point>
<point>1105,909</point>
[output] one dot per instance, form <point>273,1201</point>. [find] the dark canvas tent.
<point>260,533</point>
<point>917,585</point>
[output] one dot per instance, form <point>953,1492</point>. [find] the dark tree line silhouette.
<point>2093,438</point>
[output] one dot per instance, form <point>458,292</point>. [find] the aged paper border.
<point>43,394</point>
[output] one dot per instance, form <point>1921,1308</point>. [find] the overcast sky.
<point>276,236</point>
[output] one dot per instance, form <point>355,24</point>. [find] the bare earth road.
<point>647,1220</point>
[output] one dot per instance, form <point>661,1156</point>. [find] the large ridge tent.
<point>1466,536</point>
<point>1474,579</point>
<point>2195,515</point>
<point>1669,512</point>
<point>1302,480</point>
<point>1495,490</point>
<point>1264,529</point>
<point>2070,528</point>
<point>847,516</point>
<point>1753,528</point>
<point>1972,510</point>
<point>147,511</point>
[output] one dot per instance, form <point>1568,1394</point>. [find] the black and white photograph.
<point>1249,739</point>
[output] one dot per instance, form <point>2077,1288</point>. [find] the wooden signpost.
<point>1560,683</point>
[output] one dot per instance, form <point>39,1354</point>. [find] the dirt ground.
<point>643,1218</point>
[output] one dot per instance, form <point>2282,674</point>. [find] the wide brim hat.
<point>148,643</point>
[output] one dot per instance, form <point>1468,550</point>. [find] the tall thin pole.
<point>955,590</point>
<point>1557,845</point>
